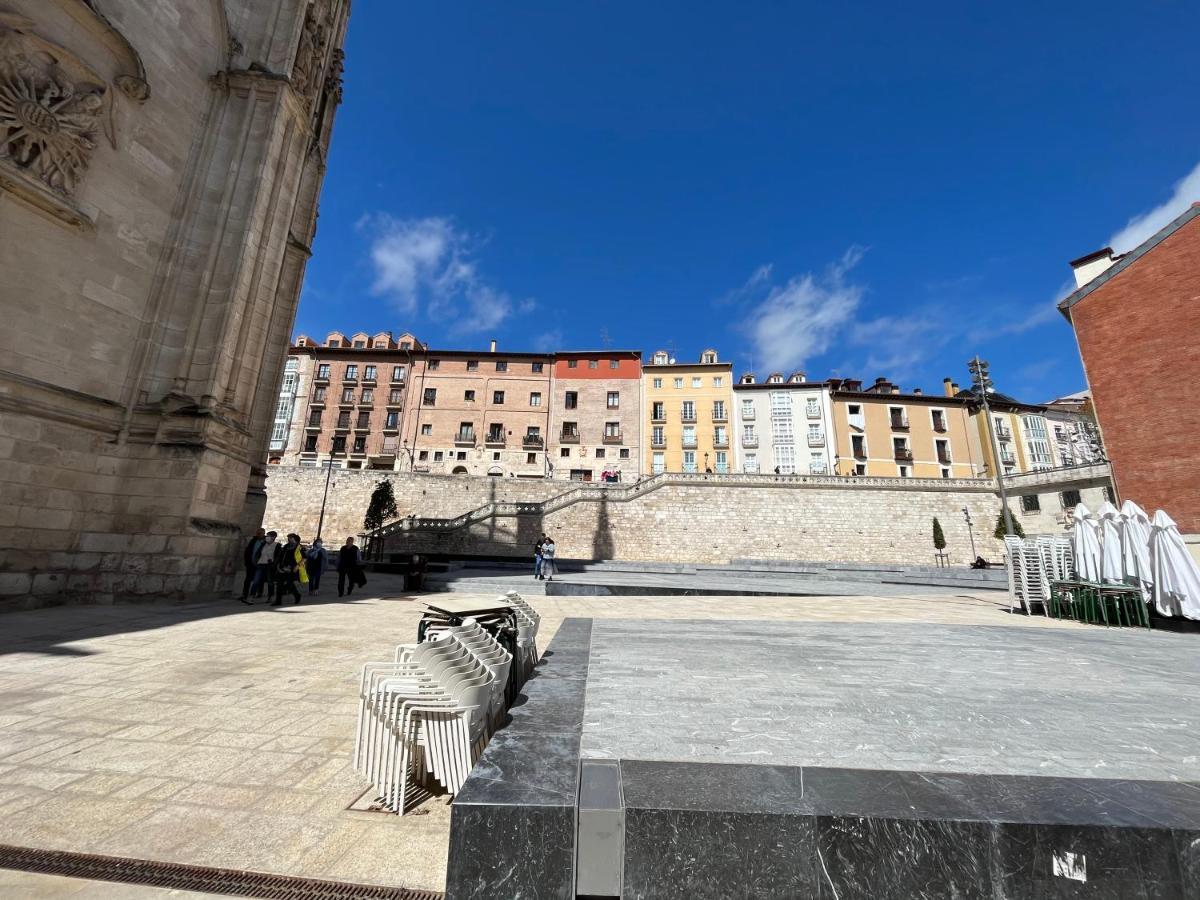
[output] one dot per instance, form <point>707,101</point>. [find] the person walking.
<point>548,559</point>
<point>537,556</point>
<point>349,566</point>
<point>316,560</point>
<point>250,562</point>
<point>264,563</point>
<point>288,560</point>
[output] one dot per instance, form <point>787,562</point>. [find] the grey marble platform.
<point>771,759</point>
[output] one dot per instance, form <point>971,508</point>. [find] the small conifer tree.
<point>1001,531</point>
<point>939,539</point>
<point>382,506</point>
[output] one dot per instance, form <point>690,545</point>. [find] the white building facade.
<point>783,426</point>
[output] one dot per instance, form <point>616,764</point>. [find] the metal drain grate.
<point>196,878</point>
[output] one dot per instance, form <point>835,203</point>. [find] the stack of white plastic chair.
<point>528,622</point>
<point>430,711</point>
<point>1027,583</point>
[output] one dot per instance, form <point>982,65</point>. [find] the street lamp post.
<point>982,380</point>
<point>325,496</point>
<point>970,532</point>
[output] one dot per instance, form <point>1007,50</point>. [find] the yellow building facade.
<point>688,413</point>
<point>882,432</point>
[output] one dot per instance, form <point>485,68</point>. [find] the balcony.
<point>494,439</point>
<point>313,426</point>
<point>813,412</point>
<point>321,379</point>
<point>367,403</point>
<point>816,440</point>
<point>391,429</point>
<point>464,438</point>
<point>899,423</point>
<point>350,379</point>
<point>748,414</point>
<point>658,418</point>
<point>612,438</point>
<point>944,459</point>
<point>686,417</point>
<point>720,416</point>
<point>721,443</point>
<point>658,443</point>
<point>689,443</point>
<point>316,402</point>
<point>395,380</point>
<point>532,442</point>
<point>749,442</point>
<point>569,437</point>
<point>342,426</point>
<point>1008,458</point>
<point>903,454</point>
<point>1003,434</point>
<point>859,451</point>
<point>363,426</point>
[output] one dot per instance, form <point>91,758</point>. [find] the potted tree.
<point>939,542</point>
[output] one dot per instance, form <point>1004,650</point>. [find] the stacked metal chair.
<point>528,622</point>
<point>1027,578</point>
<point>430,712</point>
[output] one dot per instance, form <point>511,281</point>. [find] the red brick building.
<point>1137,320</point>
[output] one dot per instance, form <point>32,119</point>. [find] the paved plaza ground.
<point>219,734</point>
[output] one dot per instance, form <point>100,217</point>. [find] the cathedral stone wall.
<point>159,170</point>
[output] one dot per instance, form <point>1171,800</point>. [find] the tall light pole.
<point>970,531</point>
<point>325,496</point>
<point>982,381</point>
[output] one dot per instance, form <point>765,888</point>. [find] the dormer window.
<point>708,356</point>
<point>660,358</point>
<point>775,379</point>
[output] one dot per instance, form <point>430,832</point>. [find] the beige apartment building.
<point>688,411</point>
<point>880,431</point>
<point>470,412</point>
<point>596,416</point>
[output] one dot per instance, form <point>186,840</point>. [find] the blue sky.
<point>879,189</point>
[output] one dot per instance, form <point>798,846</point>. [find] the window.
<point>501,365</point>
<point>343,420</point>
<point>593,363</point>
<point>660,358</point>
<point>319,394</point>
<point>323,370</point>
<point>495,433</point>
<point>423,455</point>
<point>722,462</point>
<point>897,416</point>
<point>658,411</point>
<point>461,454</point>
<point>614,399</point>
<point>678,383</point>
<point>368,395</point>
<point>749,437</point>
<point>720,436</point>
<point>612,429</point>
<point>903,471</point>
<point>426,430</point>
<point>751,464</point>
<point>816,464</point>
<point>347,395</point>
<point>498,398</point>
<point>1030,503</point>
<point>359,345</point>
<point>613,364</point>
<point>564,452</point>
<point>397,373</point>
<point>689,460</point>
<point>938,417</point>
<point>816,437</point>
<point>430,397</point>
<point>1070,499</point>
<point>333,342</point>
<point>657,437</point>
<point>572,364</point>
<point>469,396</point>
<point>858,446</point>
<point>535,398</point>
<point>658,463</point>
<point>310,444</point>
<point>785,459</point>
<point>364,420</point>
<point>537,367</point>
<point>530,459</point>
<point>406,345</point>
<point>718,381</point>
<point>688,411</point>
<point>689,435</point>
<point>351,373</point>
<point>718,410</point>
<point>812,407</point>
<point>314,417</point>
<point>657,383</point>
<point>572,399</point>
<point>392,420</point>
<point>360,444</point>
<point>623,453</point>
<point>697,381</point>
<point>599,453</point>
<point>496,456</point>
<point>437,455</point>
<point>942,448</point>
<point>747,409</point>
<point>339,444</point>
<point>860,469</point>
<point>945,473</point>
<point>369,373</point>
<point>434,365</point>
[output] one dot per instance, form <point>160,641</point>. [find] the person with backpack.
<point>315,562</point>
<point>548,559</point>
<point>289,562</point>
<point>250,563</point>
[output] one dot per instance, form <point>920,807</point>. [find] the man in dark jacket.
<point>348,567</point>
<point>287,569</point>
<point>250,561</point>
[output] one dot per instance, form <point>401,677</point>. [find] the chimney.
<point>916,392</point>
<point>492,346</point>
<point>954,387</point>
<point>1088,267</point>
<point>948,387</point>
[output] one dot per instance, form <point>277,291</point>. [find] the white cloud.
<point>800,319</point>
<point>427,265</point>
<point>1140,228</point>
<point>548,340</point>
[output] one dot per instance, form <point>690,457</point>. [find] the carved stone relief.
<point>310,52</point>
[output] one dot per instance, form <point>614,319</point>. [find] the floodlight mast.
<point>982,380</point>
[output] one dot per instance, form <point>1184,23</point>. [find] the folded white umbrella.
<point>1176,575</point>
<point>1135,545</point>
<point>1085,546</point>
<point>1112,560</point>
